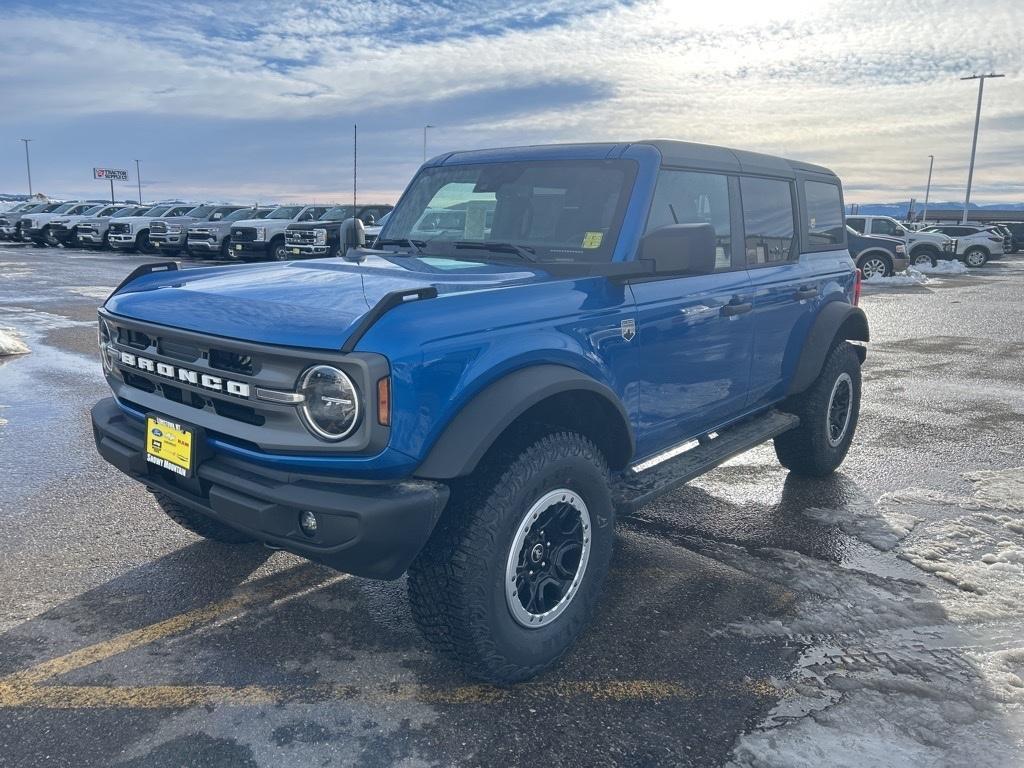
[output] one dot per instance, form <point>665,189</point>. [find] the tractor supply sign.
<point>112,174</point>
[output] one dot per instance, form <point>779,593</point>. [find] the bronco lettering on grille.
<point>196,379</point>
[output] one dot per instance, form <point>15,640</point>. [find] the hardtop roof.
<point>673,153</point>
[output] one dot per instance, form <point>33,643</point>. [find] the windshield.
<point>91,211</point>
<point>156,210</point>
<point>125,212</point>
<point>566,211</point>
<point>65,208</point>
<point>241,214</point>
<point>285,212</point>
<point>201,211</point>
<point>338,213</point>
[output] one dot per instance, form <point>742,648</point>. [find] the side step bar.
<point>632,489</point>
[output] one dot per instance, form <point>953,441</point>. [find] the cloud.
<point>868,89</point>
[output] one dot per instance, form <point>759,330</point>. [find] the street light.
<point>928,189</point>
<point>28,167</point>
<point>974,143</point>
<point>425,141</point>
<point>138,178</point>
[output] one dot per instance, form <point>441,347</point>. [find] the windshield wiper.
<point>416,245</point>
<point>527,254</point>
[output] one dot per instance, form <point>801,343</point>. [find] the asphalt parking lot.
<point>751,618</point>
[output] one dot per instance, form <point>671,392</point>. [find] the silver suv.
<point>264,238</point>
<point>213,238</point>
<point>170,236</point>
<point>132,233</point>
<point>922,247</point>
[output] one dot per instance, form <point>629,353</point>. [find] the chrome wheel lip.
<point>843,381</point>
<point>522,616</point>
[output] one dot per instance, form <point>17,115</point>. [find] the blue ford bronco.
<point>475,400</point>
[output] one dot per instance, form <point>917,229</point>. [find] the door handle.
<point>732,309</point>
<point>805,293</point>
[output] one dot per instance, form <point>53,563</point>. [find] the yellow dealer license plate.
<point>295,251</point>
<point>238,246</point>
<point>169,445</point>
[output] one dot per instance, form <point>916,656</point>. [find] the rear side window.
<point>768,220</point>
<point>857,224</point>
<point>886,227</point>
<point>824,214</point>
<point>685,197</point>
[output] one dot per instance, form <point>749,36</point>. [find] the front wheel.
<point>142,243</point>
<point>512,573</point>
<point>975,257</point>
<point>279,251</point>
<point>925,257</point>
<point>828,413</point>
<point>49,238</point>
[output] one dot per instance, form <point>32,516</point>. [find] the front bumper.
<point>367,529</point>
<point>33,234</point>
<point>167,242</point>
<point>203,245</point>
<point>249,249</point>
<point>121,241</point>
<point>7,231</point>
<point>95,238</point>
<point>309,250</point>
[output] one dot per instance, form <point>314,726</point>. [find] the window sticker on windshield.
<point>476,221</point>
<point>593,239</point>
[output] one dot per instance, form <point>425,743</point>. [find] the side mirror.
<point>353,235</point>
<point>684,249</point>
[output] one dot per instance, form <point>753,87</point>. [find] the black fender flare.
<point>481,422</point>
<point>837,321</point>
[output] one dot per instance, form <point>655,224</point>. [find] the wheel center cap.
<point>537,553</point>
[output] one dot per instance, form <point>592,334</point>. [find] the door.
<point>784,290</point>
<point>695,333</point>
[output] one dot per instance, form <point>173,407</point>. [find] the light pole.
<point>927,189</point>
<point>974,143</point>
<point>28,167</point>
<point>425,141</point>
<point>138,178</point>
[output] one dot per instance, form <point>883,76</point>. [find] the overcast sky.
<point>256,99</point>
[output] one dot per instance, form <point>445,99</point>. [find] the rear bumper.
<point>367,529</point>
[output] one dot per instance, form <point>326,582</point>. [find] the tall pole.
<point>138,178</point>
<point>974,142</point>
<point>425,127</point>
<point>28,167</point>
<point>355,164</point>
<point>111,190</point>
<point>928,189</point>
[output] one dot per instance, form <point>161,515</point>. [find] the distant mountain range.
<point>899,210</point>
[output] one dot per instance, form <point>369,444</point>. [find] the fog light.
<point>307,522</point>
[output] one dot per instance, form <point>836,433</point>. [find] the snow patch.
<point>10,344</point>
<point>944,267</point>
<point>91,292</point>
<point>911,277</point>
<point>883,525</point>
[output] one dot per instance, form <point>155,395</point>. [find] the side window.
<point>824,214</point>
<point>768,220</point>
<point>687,197</point>
<point>885,227</point>
<point>857,224</point>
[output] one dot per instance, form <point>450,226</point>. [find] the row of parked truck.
<point>881,245</point>
<point>204,230</point>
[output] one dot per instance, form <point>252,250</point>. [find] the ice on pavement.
<point>10,344</point>
<point>898,669</point>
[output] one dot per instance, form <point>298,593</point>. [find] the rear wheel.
<point>874,264</point>
<point>828,413</point>
<point>198,523</point>
<point>513,571</point>
<point>925,256</point>
<point>975,256</point>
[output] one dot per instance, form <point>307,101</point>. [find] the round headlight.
<point>331,402</point>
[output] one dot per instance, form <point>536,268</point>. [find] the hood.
<point>254,222</point>
<point>135,219</point>
<point>313,304</point>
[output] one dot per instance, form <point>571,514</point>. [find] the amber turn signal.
<point>384,402</point>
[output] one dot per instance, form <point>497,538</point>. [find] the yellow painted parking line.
<point>296,585</point>
<point>186,696</point>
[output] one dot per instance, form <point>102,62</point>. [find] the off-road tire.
<point>198,523</point>
<point>457,583</point>
<point>807,449</point>
<point>981,257</point>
